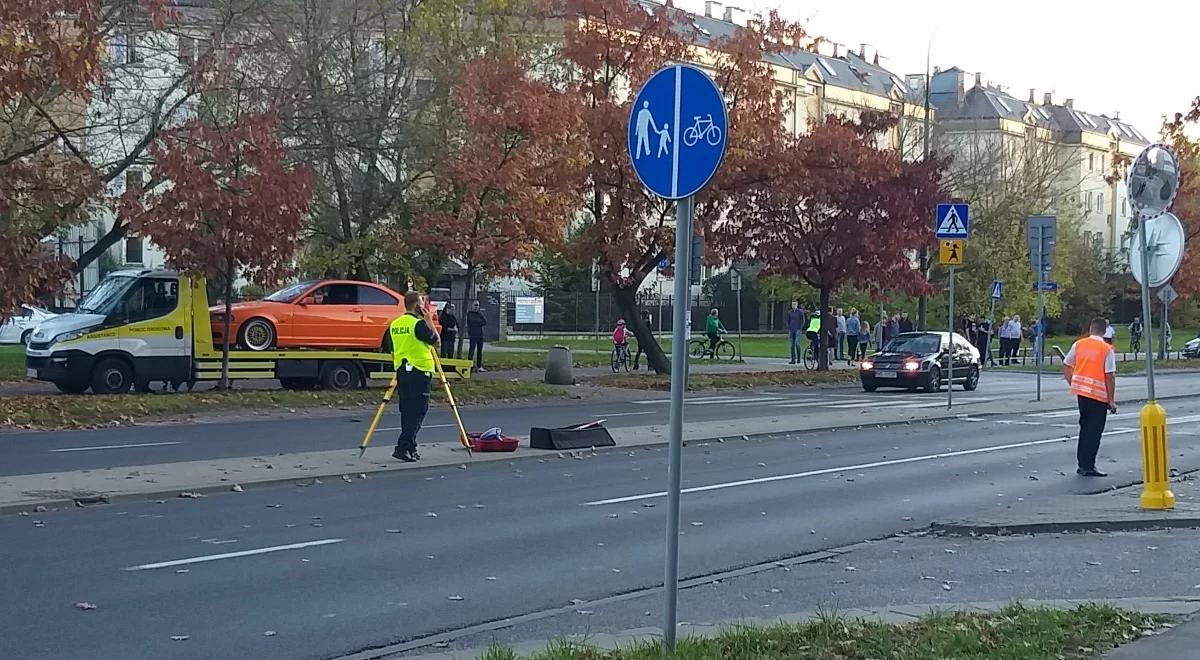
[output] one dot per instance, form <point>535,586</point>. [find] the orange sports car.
<point>314,314</point>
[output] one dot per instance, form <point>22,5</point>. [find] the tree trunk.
<point>827,325</point>
<point>228,326</point>
<point>626,299</point>
<point>467,301</point>
<point>923,301</point>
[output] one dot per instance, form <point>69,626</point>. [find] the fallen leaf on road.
<point>775,590</point>
<point>346,478</point>
<point>274,506</point>
<point>454,598</point>
<point>907,518</point>
<point>478,506</point>
<point>762,465</point>
<point>1152,547</point>
<point>460,506</point>
<point>85,606</point>
<point>616,570</point>
<point>851,568</point>
<point>268,633</point>
<point>647,505</point>
<point>612,515</point>
<point>576,601</point>
<point>585,612</point>
<point>928,577</point>
<point>490,578</point>
<point>442,645</point>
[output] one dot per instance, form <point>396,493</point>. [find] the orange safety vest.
<point>1088,377</point>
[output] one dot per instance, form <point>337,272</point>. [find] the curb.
<point>1058,527</point>
<point>80,500</point>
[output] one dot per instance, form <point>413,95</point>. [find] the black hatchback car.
<point>922,360</point>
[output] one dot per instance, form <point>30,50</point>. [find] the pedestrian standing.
<point>839,337</point>
<point>796,324</point>
<point>1091,370</point>
<point>853,327</point>
<point>413,341</point>
<point>864,338</point>
<point>985,343</point>
<point>894,324</point>
<point>1018,337</point>
<point>883,331</point>
<point>647,321</point>
<point>449,323</point>
<point>476,321</point>
<point>905,324</point>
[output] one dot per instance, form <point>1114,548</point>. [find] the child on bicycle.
<point>620,335</point>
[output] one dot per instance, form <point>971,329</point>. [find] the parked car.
<point>922,360</point>
<point>19,328</point>
<point>313,314</point>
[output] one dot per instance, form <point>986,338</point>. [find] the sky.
<point>1079,50</point>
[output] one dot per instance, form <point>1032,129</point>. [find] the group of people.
<point>848,336</point>
<point>476,322</point>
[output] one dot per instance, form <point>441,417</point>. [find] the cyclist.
<point>714,329</point>
<point>620,335</point>
<point>814,330</point>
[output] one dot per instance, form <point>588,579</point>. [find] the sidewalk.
<point>1182,641</point>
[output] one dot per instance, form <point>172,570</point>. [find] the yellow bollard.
<point>1155,491</point>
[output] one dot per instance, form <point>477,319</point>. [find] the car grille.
<point>33,346</point>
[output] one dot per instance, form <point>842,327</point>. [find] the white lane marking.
<point>98,447</point>
<point>232,555</point>
<point>844,468</point>
<point>709,399</point>
<point>1056,413</point>
<point>628,414</point>
<point>754,402</point>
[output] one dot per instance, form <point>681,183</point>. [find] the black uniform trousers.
<point>449,337</point>
<point>412,392</point>
<point>1093,415</point>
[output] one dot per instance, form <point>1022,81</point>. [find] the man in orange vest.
<point>1091,370</point>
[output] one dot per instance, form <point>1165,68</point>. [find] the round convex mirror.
<point>1153,181</point>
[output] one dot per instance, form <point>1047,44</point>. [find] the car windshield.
<point>922,344</point>
<point>105,297</point>
<point>289,293</point>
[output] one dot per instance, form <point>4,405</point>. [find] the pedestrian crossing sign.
<point>950,253</point>
<point>953,220</point>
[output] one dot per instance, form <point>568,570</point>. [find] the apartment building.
<point>977,122</point>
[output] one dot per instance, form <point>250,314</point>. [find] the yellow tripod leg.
<point>387,397</point>
<point>462,431</point>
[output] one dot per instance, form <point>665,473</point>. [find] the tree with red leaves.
<point>513,174</point>
<point>230,205</point>
<point>1187,202</point>
<point>615,46</point>
<point>839,211</point>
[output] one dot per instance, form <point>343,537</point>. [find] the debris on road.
<point>85,606</point>
<point>191,495</point>
<point>237,489</point>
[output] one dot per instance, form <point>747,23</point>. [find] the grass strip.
<point>62,411</point>
<point>729,381</point>
<point>1016,632</point>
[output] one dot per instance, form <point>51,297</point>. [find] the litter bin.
<point>560,366</point>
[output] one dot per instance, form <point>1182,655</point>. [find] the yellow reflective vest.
<point>406,346</point>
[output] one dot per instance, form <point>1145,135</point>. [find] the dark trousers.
<point>412,392</point>
<point>638,356</point>
<point>1092,416</point>
<point>851,346</point>
<point>448,341</point>
<point>475,351</point>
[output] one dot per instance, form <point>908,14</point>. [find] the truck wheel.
<point>70,387</point>
<point>257,335</point>
<point>340,376</point>
<point>112,376</point>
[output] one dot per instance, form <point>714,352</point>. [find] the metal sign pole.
<point>1038,342</point>
<point>740,354</point>
<point>950,348</point>
<point>679,364</point>
<point>1146,308</point>
<point>1164,348</point>
<point>991,331</point>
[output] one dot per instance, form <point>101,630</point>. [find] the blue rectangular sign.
<point>1046,286</point>
<point>997,289</point>
<point>953,221</point>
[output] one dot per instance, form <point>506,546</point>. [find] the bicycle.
<point>809,356</point>
<point>1135,344</point>
<point>700,348</point>
<point>620,357</point>
<point>702,129</point>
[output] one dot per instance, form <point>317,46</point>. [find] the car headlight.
<point>867,366</point>
<point>912,366</point>
<point>68,336</point>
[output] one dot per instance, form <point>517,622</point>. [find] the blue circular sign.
<point>664,263</point>
<point>678,127</point>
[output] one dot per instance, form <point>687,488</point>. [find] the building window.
<point>133,250</point>
<point>1091,162</point>
<point>1124,207</point>
<point>1102,158</point>
<point>187,50</point>
<point>134,180</point>
<point>1100,202</point>
<point>1088,206</point>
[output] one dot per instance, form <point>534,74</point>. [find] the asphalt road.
<point>381,569</point>
<point>37,452</point>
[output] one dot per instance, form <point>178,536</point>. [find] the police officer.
<point>413,338</point>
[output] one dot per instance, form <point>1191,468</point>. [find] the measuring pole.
<point>950,348</point>
<point>1164,349</point>
<point>1039,340</point>
<point>679,363</point>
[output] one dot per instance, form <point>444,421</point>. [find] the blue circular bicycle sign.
<point>678,128</point>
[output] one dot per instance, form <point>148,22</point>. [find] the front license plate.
<point>885,374</point>
<point>31,373</point>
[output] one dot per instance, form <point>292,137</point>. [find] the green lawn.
<point>12,363</point>
<point>754,346</point>
<point>1015,632</point>
<point>512,360</point>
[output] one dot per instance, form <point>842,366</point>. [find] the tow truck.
<point>139,327</point>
